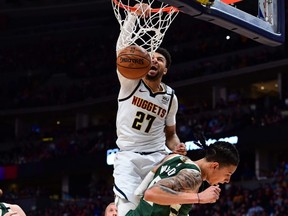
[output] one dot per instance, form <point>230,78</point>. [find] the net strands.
<point>148,31</point>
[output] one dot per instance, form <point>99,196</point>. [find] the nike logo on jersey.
<point>140,90</point>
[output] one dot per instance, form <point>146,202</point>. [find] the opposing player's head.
<point>222,159</point>
<point>111,210</point>
<point>161,61</point>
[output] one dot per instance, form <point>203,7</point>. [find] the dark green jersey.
<point>4,209</point>
<point>168,169</point>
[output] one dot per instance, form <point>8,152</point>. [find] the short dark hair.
<point>222,152</point>
<point>167,56</point>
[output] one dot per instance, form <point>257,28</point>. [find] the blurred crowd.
<point>231,115</point>
<point>51,71</point>
<point>60,143</point>
<point>82,71</point>
<point>234,115</point>
<point>55,70</point>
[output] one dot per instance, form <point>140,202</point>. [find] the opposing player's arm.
<point>172,140</point>
<point>179,189</point>
<point>15,210</point>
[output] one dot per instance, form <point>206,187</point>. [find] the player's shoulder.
<point>4,205</point>
<point>182,158</point>
<point>186,160</point>
<point>4,208</point>
<point>192,165</point>
<point>168,89</point>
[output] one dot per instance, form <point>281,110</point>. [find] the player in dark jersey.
<point>176,182</point>
<point>11,210</point>
<point>174,168</point>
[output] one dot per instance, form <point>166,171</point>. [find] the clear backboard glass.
<point>267,26</point>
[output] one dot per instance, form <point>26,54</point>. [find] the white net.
<point>148,25</point>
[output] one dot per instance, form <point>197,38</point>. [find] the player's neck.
<point>202,163</point>
<point>155,86</point>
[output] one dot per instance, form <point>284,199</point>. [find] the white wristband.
<point>144,184</point>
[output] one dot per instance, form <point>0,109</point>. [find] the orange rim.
<point>153,10</point>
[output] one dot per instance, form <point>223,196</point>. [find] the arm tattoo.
<point>167,190</point>
<point>186,179</point>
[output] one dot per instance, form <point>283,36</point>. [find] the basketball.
<point>133,62</point>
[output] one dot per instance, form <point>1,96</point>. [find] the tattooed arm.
<point>181,189</point>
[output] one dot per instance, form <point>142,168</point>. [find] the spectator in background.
<point>111,210</point>
<point>255,209</point>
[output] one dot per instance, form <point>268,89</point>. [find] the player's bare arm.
<point>143,10</point>
<point>12,214</point>
<point>181,189</point>
<point>175,190</point>
<point>210,195</point>
<point>14,210</point>
<point>173,141</point>
<point>186,180</point>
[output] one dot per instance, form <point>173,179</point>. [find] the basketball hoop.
<point>147,32</point>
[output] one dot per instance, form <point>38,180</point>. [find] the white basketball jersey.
<point>142,118</point>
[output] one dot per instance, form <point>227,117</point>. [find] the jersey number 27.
<point>140,118</point>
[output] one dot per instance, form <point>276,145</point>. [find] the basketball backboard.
<point>268,27</point>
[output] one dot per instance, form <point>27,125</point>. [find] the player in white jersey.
<point>146,125</point>
<point>145,112</point>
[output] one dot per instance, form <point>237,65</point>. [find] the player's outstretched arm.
<point>127,32</point>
